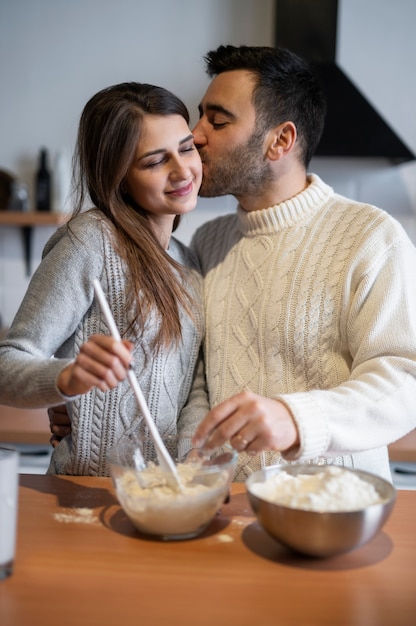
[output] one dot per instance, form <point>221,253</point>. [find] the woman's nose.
<point>179,170</point>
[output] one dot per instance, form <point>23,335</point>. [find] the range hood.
<point>353,127</point>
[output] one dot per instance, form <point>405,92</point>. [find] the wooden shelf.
<point>28,220</point>
<point>31,218</point>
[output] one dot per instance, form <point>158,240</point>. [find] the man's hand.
<point>251,423</point>
<point>59,424</point>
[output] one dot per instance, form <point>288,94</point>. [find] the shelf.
<point>31,218</point>
<point>28,220</point>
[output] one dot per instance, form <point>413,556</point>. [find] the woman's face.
<point>166,173</point>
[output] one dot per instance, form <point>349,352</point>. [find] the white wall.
<point>376,48</point>
<point>54,54</point>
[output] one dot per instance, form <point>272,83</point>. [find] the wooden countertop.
<point>100,571</point>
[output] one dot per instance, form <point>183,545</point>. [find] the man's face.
<point>230,145</point>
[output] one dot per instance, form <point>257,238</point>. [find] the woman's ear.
<point>281,140</point>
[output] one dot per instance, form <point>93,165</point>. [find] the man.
<point>311,343</point>
<point>310,298</point>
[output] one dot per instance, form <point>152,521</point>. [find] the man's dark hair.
<point>286,89</point>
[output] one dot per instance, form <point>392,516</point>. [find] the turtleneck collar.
<point>286,214</point>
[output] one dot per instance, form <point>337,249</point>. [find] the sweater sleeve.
<point>59,295</point>
<point>377,400</point>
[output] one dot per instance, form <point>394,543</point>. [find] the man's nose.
<point>199,135</point>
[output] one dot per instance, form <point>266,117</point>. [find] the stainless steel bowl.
<point>320,534</point>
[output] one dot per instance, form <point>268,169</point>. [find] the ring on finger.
<point>242,441</point>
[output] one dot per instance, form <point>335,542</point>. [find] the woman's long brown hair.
<point>108,134</point>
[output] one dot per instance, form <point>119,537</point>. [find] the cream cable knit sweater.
<point>313,302</point>
<point>59,313</point>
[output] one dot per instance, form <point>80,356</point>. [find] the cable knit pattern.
<point>302,304</point>
<point>57,316</point>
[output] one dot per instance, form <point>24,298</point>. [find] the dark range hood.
<point>353,128</point>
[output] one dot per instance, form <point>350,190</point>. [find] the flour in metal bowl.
<point>331,489</point>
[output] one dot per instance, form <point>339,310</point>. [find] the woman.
<point>136,163</point>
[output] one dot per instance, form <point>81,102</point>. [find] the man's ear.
<point>281,140</point>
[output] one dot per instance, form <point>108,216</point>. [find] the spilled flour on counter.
<point>330,490</point>
<point>76,516</point>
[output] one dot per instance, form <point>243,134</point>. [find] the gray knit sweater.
<point>313,302</point>
<point>59,313</point>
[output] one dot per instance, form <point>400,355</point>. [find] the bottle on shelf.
<point>43,183</point>
<point>19,197</point>
<point>61,183</point>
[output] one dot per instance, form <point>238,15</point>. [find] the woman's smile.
<point>182,191</point>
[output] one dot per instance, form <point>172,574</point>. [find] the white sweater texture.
<point>313,302</point>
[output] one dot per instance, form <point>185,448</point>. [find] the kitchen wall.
<point>55,54</point>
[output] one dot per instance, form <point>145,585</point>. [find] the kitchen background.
<point>55,54</point>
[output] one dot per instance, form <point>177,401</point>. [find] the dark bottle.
<point>43,183</point>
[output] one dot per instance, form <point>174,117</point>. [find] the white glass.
<point>9,480</point>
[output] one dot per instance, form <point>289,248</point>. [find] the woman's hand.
<point>102,362</point>
<point>251,423</point>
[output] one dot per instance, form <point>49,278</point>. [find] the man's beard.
<point>241,171</point>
